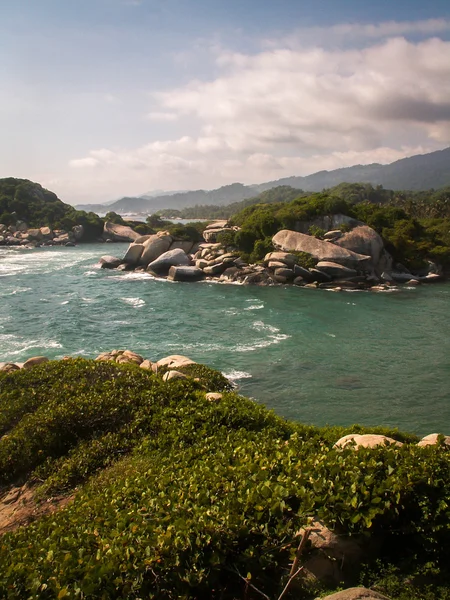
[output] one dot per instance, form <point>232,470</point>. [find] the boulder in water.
<point>171,258</point>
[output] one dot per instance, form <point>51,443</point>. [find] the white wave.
<point>65,302</point>
<point>21,346</point>
<point>136,302</point>
<point>235,375</point>
<point>254,307</point>
<point>19,290</point>
<point>260,326</point>
<point>89,273</point>
<point>275,339</point>
<point>330,335</point>
<point>88,300</point>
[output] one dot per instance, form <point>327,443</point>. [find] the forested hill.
<point>24,200</point>
<point>420,172</point>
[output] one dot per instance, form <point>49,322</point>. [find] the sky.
<point>105,98</point>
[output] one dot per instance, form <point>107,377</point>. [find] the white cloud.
<point>288,111</point>
<point>162,116</point>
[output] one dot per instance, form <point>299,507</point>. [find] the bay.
<point>313,356</point>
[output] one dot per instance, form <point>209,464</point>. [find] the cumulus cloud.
<point>292,111</point>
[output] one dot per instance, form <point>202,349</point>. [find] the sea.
<point>313,356</point>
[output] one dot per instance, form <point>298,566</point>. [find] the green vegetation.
<point>415,226</point>
<point>177,495</point>
<point>24,200</point>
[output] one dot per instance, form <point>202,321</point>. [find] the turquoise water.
<point>311,355</point>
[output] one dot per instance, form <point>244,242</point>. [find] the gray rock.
<point>78,232</point>
<point>284,272</point>
<point>186,246</point>
<point>217,224</point>
<point>154,246</point>
<point>46,232</point>
<point>283,257</point>
<point>9,367</point>
<point>367,440</point>
<point>289,241</point>
<point>36,360</point>
<point>431,278</point>
<point>133,253</point>
<point>171,258</point>
<point>403,277</point>
<point>302,272</point>
<point>356,593</point>
<point>214,396</point>
<point>175,361</point>
<point>35,234</point>
<point>299,281</point>
<point>171,375</point>
<point>215,269</point>
<point>185,274</point>
<point>319,276</point>
<point>432,439</point>
<point>365,240</point>
<point>333,235</point>
<point>119,233</point>
<point>110,262</point>
<point>335,270</point>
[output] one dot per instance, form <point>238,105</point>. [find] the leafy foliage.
<point>24,200</point>
<point>194,491</point>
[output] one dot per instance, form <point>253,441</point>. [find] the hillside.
<point>24,200</point>
<point>420,172</point>
<point>171,495</point>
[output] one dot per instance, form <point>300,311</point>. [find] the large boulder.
<point>356,593</point>
<point>185,245</point>
<point>110,262</point>
<point>174,361</point>
<point>365,240</point>
<point>293,241</point>
<point>368,440</point>
<point>154,246</point>
<point>78,232</point>
<point>119,233</point>
<point>283,257</point>
<point>46,232</point>
<point>433,438</point>
<point>335,270</point>
<point>133,253</point>
<point>171,258</point>
<point>35,234</point>
<point>333,557</point>
<point>185,274</point>
<point>36,360</point>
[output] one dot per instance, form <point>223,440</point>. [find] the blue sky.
<point>102,98</point>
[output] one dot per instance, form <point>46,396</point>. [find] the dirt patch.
<point>19,507</point>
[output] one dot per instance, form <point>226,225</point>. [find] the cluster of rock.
<point>356,259</point>
<point>21,235</point>
<point>168,366</point>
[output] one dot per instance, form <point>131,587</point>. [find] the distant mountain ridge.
<point>419,172</point>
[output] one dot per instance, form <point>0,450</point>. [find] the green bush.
<point>183,494</point>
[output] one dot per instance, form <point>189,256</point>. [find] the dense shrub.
<point>194,492</point>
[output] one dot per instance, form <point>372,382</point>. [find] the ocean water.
<point>311,355</point>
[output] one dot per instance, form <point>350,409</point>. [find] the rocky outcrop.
<point>154,246</point>
<point>356,593</point>
<point>290,241</point>
<point>334,557</point>
<point>118,233</point>
<point>110,262</point>
<point>171,258</point>
<point>433,438</point>
<point>368,440</point>
<point>185,274</point>
<point>213,229</point>
<point>36,360</point>
<point>334,270</point>
<point>20,235</point>
<point>365,240</point>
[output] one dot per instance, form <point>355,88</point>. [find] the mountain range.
<point>419,172</point>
